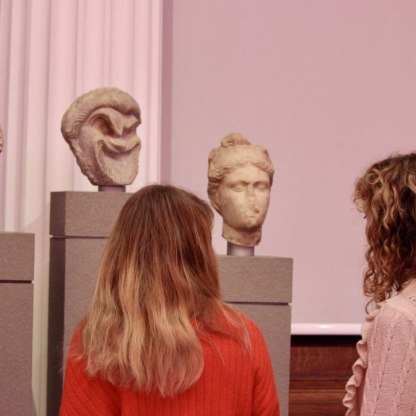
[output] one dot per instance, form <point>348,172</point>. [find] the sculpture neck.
<point>111,188</point>
<point>241,238</point>
<point>234,250</point>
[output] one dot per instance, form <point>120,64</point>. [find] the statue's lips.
<point>116,148</point>
<point>252,212</point>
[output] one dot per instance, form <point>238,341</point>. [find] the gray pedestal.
<point>16,316</point>
<point>261,287</point>
<point>80,224</point>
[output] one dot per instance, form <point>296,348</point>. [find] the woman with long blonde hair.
<point>158,339</point>
<point>384,376</point>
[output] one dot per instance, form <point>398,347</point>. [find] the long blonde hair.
<point>157,293</point>
<point>387,192</point>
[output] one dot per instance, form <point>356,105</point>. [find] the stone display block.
<point>256,279</point>
<point>261,287</point>
<point>17,256</point>
<point>74,265</point>
<point>16,317</point>
<point>80,223</point>
<point>16,314</point>
<point>85,214</point>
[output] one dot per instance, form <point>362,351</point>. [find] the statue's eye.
<point>238,187</point>
<point>103,125</point>
<point>262,186</point>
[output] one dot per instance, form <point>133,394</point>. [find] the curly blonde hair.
<point>386,193</point>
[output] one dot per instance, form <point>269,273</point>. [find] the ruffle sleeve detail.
<point>352,397</point>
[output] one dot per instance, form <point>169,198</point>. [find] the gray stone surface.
<point>85,214</point>
<point>80,222</point>
<point>274,323</point>
<point>256,278</point>
<point>74,264</point>
<point>16,315</point>
<point>261,287</point>
<point>17,254</point>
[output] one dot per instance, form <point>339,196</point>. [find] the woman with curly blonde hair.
<point>158,339</point>
<point>384,376</point>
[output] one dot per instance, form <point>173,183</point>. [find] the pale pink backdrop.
<point>328,86</point>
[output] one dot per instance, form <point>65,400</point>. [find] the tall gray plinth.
<point>80,222</point>
<point>261,287</point>
<point>17,252</point>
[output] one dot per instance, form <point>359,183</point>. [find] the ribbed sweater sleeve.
<point>384,376</point>
<point>390,382</point>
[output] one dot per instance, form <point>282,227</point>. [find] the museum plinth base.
<point>80,222</point>
<point>17,252</point>
<point>261,287</point>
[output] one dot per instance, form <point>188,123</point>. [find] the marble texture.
<point>240,176</point>
<point>100,128</point>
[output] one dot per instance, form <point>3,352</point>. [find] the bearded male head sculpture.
<point>100,128</point>
<point>240,176</point>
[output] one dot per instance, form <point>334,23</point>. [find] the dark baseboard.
<point>320,366</point>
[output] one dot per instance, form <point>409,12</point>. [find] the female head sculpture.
<point>386,194</point>
<point>100,128</point>
<point>240,176</point>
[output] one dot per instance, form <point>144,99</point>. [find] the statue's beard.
<point>120,168</point>
<point>107,167</point>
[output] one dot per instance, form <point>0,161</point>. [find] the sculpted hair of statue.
<point>87,103</point>
<point>157,293</point>
<point>219,164</point>
<point>386,193</point>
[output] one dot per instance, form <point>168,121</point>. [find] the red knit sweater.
<point>233,384</point>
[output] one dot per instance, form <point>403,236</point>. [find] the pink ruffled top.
<point>384,376</point>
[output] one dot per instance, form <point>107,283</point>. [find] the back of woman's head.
<point>161,247</point>
<point>386,193</point>
<point>157,285</point>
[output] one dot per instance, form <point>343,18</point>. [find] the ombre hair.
<point>386,193</point>
<point>157,295</point>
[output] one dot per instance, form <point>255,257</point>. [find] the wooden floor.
<point>320,367</point>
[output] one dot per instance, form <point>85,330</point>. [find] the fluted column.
<point>51,51</point>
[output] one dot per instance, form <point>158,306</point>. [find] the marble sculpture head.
<point>100,128</point>
<point>240,176</point>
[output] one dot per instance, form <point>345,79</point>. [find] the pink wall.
<point>328,86</point>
